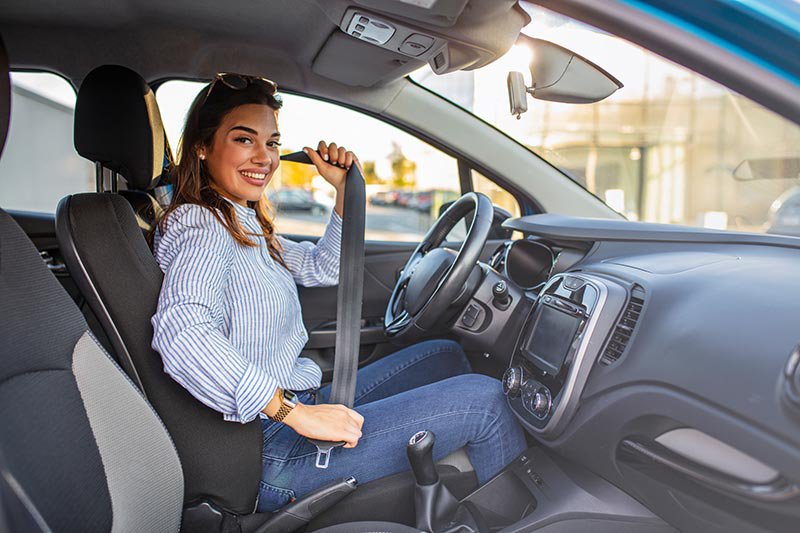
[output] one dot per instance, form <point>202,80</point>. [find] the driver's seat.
<point>109,259</point>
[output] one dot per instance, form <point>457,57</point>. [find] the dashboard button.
<point>573,283</point>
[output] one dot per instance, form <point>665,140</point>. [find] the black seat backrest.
<point>112,265</point>
<point>75,433</point>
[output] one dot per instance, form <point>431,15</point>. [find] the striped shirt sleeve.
<point>196,254</point>
<point>316,265</point>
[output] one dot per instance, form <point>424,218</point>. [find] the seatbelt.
<point>349,294</point>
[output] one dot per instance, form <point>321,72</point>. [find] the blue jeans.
<point>423,387</point>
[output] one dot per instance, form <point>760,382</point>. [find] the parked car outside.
<point>297,200</point>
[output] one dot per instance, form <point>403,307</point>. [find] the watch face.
<point>289,397</point>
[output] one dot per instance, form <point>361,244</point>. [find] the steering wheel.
<point>434,277</point>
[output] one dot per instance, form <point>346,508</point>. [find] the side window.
<point>499,196</point>
<point>39,165</point>
<point>407,179</point>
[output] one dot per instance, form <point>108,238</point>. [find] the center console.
<point>559,344</point>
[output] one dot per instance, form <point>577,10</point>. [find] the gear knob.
<point>420,455</point>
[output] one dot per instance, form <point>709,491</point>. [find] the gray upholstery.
<point>143,473</point>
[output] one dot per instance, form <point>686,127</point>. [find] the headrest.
<point>5,95</point>
<point>117,123</point>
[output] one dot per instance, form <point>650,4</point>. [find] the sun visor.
<point>358,63</point>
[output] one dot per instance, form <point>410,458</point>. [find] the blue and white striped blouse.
<point>228,324</point>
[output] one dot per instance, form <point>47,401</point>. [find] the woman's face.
<point>243,154</point>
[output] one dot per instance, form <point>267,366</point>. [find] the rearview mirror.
<point>559,75</point>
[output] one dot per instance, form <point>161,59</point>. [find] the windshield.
<point>670,146</point>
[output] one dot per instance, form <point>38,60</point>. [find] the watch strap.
<point>282,412</point>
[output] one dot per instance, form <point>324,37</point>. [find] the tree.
<point>295,174</point>
<point>370,175</point>
<point>404,171</point>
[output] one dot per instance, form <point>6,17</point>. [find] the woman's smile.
<point>257,177</point>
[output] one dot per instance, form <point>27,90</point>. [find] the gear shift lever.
<point>435,505</point>
<point>420,455</point>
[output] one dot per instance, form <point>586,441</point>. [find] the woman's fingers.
<point>322,148</point>
<point>327,422</point>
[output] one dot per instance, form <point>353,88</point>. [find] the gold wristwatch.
<point>288,402</point>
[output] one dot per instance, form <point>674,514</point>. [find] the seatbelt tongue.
<point>324,451</point>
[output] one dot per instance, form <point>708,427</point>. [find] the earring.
<point>203,157</point>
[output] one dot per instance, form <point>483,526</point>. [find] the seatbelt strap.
<point>349,295</point>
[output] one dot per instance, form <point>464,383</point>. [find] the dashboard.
<point>665,359</point>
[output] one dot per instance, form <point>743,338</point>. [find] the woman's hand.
<point>326,422</point>
<point>332,162</point>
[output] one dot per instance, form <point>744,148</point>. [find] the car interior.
<point>655,368</point>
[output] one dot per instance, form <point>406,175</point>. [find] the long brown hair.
<point>191,180</point>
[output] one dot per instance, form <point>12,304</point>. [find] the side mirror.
<point>497,232</point>
<point>559,75</point>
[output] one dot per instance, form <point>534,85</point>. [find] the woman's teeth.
<point>254,175</point>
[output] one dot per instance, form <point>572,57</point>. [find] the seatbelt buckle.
<point>324,448</point>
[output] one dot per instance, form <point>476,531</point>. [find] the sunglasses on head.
<point>237,82</point>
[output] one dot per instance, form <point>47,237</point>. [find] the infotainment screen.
<point>550,338</point>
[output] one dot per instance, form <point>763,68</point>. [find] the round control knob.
<point>512,381</point>
<point>541,402</point>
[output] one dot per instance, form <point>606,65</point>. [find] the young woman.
<point>229,324</point>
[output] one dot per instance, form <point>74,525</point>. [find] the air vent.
<point>622,333</point>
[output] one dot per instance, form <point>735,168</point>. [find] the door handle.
<point>641,450</point>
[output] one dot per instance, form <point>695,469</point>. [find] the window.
<point>669,147</point>
<point>499,196</point>
<point>407,180</point>
<point>39,165</point>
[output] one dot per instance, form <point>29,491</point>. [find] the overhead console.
<point>561,341</point>
<point>396,37</point>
